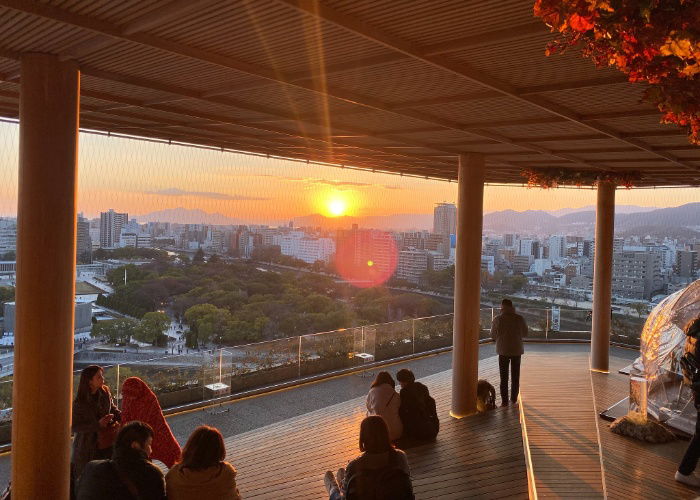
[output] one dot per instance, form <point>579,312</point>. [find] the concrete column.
<point>46,240</point>
<point>465,352</point>
<point>602,277</point>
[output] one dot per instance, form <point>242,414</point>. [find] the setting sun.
<point>337,207</point>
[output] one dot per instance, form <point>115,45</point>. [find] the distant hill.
<point>680,233</point>
<point>620,209</point>
<point>582,222</point>
<point>188,216</point>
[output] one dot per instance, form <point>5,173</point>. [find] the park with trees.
<point>233,303</point>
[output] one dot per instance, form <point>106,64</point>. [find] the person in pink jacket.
<point>383,400</point>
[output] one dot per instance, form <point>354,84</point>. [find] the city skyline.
<point>260,190</point>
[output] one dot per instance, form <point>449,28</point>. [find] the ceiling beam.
<point>461,69</point>
<point>169,12</point>
<point>318,10</point>
<point>327,139</point>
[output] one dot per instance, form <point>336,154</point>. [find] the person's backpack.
<point>430,425</point>
<point>386,483</point>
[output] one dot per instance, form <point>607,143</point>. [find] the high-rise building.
<point>84,243</point>
<point>557,247</point>
<point>111,223</point>
<point>687,263</point>
<point>445,219</point>
<point>8,235</point>
<point>636,275</point>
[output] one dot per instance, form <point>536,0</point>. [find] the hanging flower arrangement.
<point>553,177</point>
<point>653,41</point>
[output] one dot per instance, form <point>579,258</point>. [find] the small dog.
<point>485,396</point>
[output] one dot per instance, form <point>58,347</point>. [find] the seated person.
<point>384,401</point>
<point>380,472</point>
<point>129,474</point>
<point>202,473</point>
<point>418,413</point>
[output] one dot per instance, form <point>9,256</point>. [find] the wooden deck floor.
<point>561,424</point>
<point>477,457</point>
<point>634,469</point>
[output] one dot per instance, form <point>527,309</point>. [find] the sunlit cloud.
<point>328,182</point>
<point>204,194</point>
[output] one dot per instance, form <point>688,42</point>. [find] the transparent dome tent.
<point>662,345</point>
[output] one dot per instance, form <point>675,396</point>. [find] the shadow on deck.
<point>476,457</point>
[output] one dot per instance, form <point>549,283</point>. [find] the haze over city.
<point>141,177</point>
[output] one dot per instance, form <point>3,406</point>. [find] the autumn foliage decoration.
<point>653,41</point>
<point>553,177</point>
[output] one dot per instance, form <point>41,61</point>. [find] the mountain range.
<point>656,221</point>
<point>677,222</point>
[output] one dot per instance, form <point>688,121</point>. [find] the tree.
<point>198,257</point>
<point>152,328</point>
<point>640,308</point>
<point>115,330</point>
<point>192,316</point>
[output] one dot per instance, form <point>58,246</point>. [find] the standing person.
<point>418,413</point>
<point>383,400</point>
<point>94,413</point>
<point>691,373</point>
<point>129,475</point>
<point>508,330</point>
<point>202,472</point>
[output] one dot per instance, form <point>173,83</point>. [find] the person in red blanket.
<point>140,403</point>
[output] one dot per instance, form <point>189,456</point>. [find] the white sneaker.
<point>690,479</point>
<point>329,482</point>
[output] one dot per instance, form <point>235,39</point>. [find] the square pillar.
<point>467,293</point>
<point>602,277</point>
<point>45,295</point>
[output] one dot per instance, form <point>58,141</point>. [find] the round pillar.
<point>602,277</point>
<point>45,295</point>
<point>467,294</point>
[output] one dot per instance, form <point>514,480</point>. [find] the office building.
<point>111,223</point>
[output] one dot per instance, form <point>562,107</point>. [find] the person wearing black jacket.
<point>129,475</point>
<point>685,473</point>
<point>417,410</point>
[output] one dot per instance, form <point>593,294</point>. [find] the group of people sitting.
<point>112,448</point>
<point>394,419</point>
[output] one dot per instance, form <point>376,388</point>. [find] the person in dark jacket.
<point>93,410</point>
<point>685,473</point>
<point>359,481</point>
<point>129,475</point>
<point>416,408</point>
<point>508,330</point>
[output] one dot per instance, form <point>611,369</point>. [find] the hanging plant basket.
<point>653,41</point>
<point>548,178</point>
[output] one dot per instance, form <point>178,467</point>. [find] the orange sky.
<point>140,177</point>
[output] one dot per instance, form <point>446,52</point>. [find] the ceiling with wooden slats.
<point>386,85</point>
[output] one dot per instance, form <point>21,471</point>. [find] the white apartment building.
<point>311,250</point>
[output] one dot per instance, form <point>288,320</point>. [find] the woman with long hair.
<point>202,471</point>
<point>95,419</point>
<point>383,400</point>
<point>380,472</point>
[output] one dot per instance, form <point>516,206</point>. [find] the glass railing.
<point>181,379</point>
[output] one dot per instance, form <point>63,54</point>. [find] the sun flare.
<point>337,207</point>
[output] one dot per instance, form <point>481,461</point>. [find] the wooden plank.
<point>635,469</point>
<point>476,457</point>
<point>559,412</point>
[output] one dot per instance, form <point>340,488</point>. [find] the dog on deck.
<point>485,396</point>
